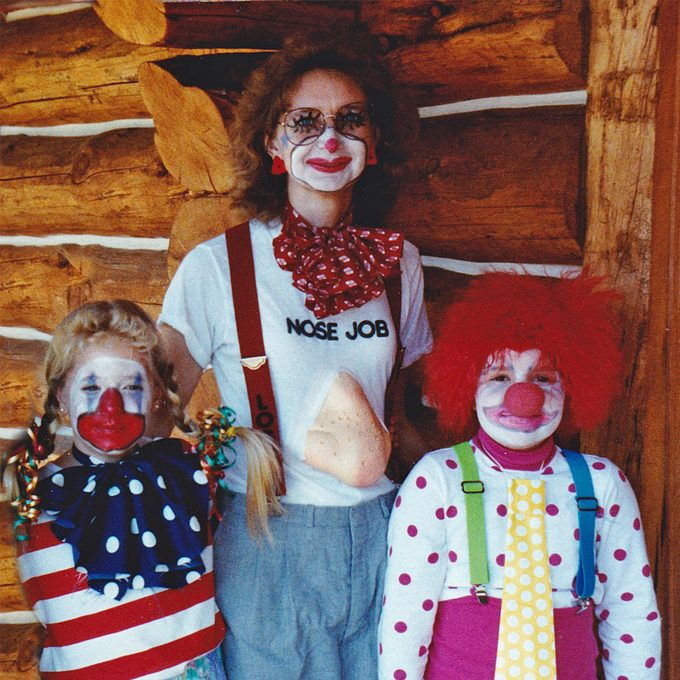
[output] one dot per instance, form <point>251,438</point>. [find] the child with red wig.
<point>518,359</point>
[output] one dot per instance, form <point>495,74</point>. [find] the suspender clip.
<point>253,363</point>
<point>586,503</point>
<point>482,597</point>
<point>583,603</point>
<point>472,486</point>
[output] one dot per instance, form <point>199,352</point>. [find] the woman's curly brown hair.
<point>349,50</point>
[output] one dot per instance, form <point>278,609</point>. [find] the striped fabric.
<point>152,633</point>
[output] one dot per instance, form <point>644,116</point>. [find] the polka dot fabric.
<point>526,636</point>
<point>422,537</point>
<point>137,523</point>
<point>336,267</point>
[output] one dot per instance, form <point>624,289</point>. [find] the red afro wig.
<point>568,319</point>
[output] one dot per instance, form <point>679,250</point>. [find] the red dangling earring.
<point>371,158</point>
<point>278,166</point>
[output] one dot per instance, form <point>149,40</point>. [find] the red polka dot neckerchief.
<point>339,267</point>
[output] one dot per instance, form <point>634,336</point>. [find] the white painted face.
<point>108,398</point>
<point>332,162</point>
<point>519,400</point>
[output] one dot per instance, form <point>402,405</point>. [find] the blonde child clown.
<point>115,553</point>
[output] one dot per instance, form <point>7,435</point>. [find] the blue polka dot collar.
<point>137,523</point>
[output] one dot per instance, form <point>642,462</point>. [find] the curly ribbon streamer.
<point>27,460</point>
<point>215,447</point>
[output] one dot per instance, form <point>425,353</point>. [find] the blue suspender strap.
<point>587,506</point>
<point>473,488</point>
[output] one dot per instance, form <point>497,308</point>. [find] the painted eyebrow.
<point>498,366</point>
<point>137,377</point>
<point>538,370</point>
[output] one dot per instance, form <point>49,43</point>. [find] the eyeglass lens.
<point>304,125</point>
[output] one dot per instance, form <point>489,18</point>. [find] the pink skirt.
<point>465,639</point>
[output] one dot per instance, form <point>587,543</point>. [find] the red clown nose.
<point>524,399</point>
<point>111,427</point>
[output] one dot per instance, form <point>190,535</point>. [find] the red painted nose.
<point>524,399</point>
<point>111,402</point>
<point>331,145</point>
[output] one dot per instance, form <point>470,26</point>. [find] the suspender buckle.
<point>583,603</point>
<point>482,597</point>
<point>586,503</point>
<point>253,363</point>
<point>472,486</point>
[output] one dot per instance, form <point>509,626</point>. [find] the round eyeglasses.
<point>304,125</point>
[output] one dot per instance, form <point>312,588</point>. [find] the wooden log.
<point>621,130</point>
<point>260,24</point>
<point>40,285</point>
<point>496,186</point>
<point>198,220</point>
<point>20,646</point>
<point>191,101</point>
<point>440,287</point>
<point>490,186</point>
<point>20,643</point>
<point>110,184</point>
<point>7,6</point>
<point>660,461</point>
<point>21,383</point>
<point>451,51</point>
<point>620,134</point>
<point>445,51</point>
<point>11,595</point>
<point>87,74</point>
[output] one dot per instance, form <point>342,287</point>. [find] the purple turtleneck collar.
<point>511,459</point>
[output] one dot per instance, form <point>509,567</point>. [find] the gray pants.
<point>306,607</point>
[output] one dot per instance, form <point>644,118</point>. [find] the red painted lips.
<point>335,165</point>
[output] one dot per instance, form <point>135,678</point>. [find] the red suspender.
<point>393,291</point>
<point>249,329</point>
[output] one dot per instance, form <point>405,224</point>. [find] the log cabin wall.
<point>514,164</point>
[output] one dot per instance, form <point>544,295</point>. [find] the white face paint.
<point>319,169</point>
<point>533,410</point>
<point>332,162</point>
<point>108,397</point>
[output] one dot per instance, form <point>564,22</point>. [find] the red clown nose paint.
<point>524,399</point>
<point>331,145</point>
<point>110,427</point>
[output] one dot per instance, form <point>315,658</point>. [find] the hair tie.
<point>27,459</point>
<point>215,447</point>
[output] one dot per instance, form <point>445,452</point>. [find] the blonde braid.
<point>179,414</point>
<point>264,470</point>
<point>49,423</point>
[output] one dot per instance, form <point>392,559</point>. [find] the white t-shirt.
<point>305,354</point>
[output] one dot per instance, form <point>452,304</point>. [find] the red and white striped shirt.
<point>151,633</point>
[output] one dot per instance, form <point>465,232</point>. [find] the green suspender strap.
<point>473,490</point>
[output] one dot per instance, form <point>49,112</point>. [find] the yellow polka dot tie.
<point>526,637</point>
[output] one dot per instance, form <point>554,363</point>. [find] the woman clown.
<point>502,549</point>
